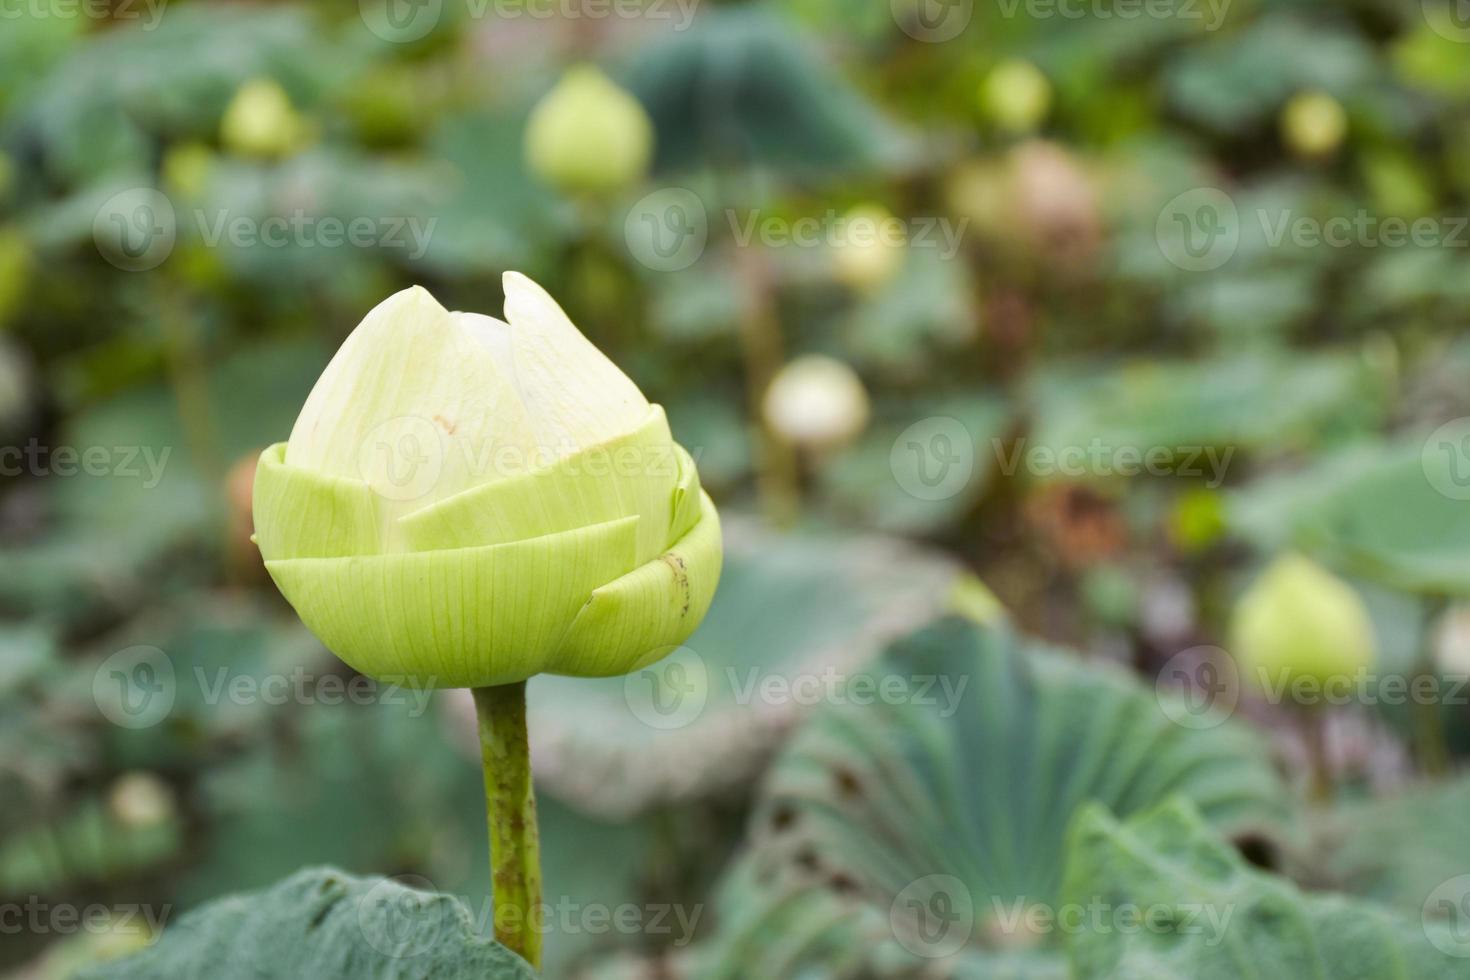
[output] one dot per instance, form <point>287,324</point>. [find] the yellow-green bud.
<point>869,249</point>
<point>588,135</point>
<point>261,121</point>
<point>466,502</point>
<point>1299,622</point>
<point>1016,95</point>
<point>1314,124</point>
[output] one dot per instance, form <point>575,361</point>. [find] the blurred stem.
<point>1314,736</point>
<point>762,347</point>
<point>1431,745</point>
<point>510,802</point>
<point>189,380</point>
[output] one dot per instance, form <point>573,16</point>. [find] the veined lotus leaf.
<point>791,611</point>
<point>925,825</point>
<point>1398,849</point>
<point>1212,915</point>
<point>327,925</point>
<point>1392,513</point>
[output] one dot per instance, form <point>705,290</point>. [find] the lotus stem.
<point>510,802</point>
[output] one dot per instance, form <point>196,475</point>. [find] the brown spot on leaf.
<point>445,424</point>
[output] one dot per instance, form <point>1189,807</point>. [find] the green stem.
<point>510,802</point>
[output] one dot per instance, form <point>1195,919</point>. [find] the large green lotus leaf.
<point>1398,849</point>
<point>961,789</point>
<point>179,73</point>
<point>1241,403</point>
<point>1171,863</point>
<point>327,925</point>
<point>1375,510</point>
<point>743,88</point>
<point>1241,77</point>
<point>789,606</point>
<point>1391,522</point>
<point>485,226</point>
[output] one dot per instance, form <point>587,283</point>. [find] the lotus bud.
<point>141,799</point>
<point>869,252</point>
<point>1300,622</point>
<point>1313,124</point>
<point>187,168</point>
<point>261,122</point>
<point>817,403</point>
<point>467,502</point>
<point>588,135</point>
<point>1016,96</point>
<point>1452,642</point>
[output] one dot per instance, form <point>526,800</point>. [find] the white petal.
<point>416,403</point>
<point>574,394</point>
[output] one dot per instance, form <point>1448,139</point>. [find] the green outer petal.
<point>631,622</point>
<point>636,473</point>
<point>688,502</point>
<point>469,617</point>
<point>303,514</point>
